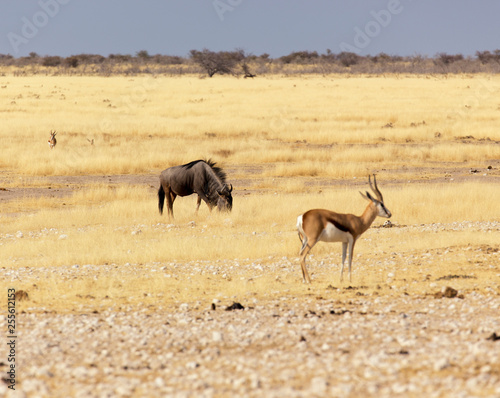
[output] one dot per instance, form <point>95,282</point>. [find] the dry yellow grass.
<point>100,221</point>
<point>284,138</point>
<point>311,121</point>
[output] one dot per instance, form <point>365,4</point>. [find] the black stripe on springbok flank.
<point>339,226</point>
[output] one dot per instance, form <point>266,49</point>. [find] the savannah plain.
<point>123,302</point>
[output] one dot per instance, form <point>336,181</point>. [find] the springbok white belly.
<point>332,234</point>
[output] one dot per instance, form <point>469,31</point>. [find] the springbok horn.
<point>231,190</point>
<point>376,190</point>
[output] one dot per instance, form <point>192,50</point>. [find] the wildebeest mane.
<point>221,174</point>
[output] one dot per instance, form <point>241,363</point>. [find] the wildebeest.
<point>202,177</point>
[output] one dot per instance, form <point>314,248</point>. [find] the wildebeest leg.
<point>170,201</point>
<point>201,195</point>
<point>198,203</point>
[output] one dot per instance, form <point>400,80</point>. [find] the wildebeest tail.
<point>161,198</point>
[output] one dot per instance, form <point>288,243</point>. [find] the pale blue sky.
<point>277,27</point>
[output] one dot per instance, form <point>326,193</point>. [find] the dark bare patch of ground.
<point>246,176</point>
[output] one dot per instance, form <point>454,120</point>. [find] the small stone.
<point>21,295</point>
<point>441,364</point>
<point>192,365</point>
<point>217,337</point>
<point>235,306</point>
<point>319,386</point>
<point>493,337</point>
<point>159,382</point>
<point>449,292</point>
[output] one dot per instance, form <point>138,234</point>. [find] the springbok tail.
<point>304,244</point>
<point>302,234</point>
<point>161,198</point>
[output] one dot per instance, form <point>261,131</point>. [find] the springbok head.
<point>378,202</point>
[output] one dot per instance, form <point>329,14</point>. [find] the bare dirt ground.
<point>246,176</point>
<point>331,341</point>
<point>407,338</point>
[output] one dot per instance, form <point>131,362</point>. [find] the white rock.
<point>441,364</point>
<point>192,365</point>
<point>217,337</point>
<point>159,382</point>
<point>319,385</point>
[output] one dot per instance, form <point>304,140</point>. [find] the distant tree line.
<point>238,63</point>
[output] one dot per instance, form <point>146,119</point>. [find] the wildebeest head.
<point>225,201</point>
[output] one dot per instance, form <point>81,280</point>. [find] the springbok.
<point>327,226</point>
<point>52,141</point>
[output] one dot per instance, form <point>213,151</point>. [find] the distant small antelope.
<point>327,226</point>
<point>91,141</point>
<point>52,141</point>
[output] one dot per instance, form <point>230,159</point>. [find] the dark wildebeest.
<point>201,177</point>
